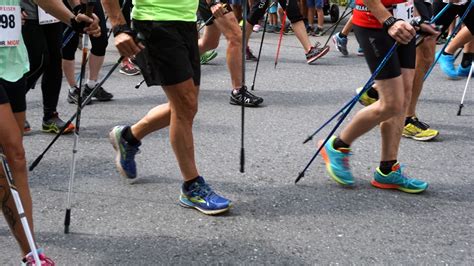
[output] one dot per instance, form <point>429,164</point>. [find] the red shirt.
<point>362,17</point>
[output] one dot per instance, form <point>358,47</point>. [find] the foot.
<point>256,28</point>
<point>418,130</point>
<point>206,57</point>
<point>101,95</point>
<point>360,51</point>
<point>316,52</point>
<point>365,99</point>
<point>26,127</point>
<point>397,180</point>
<point>55,124</point>
<point>340,43</point>
<point>288,30</point>
<point>201,197</point>
<point>129,69</point>
<point>318,31</point>
<point>250,100</point>
<point>446,63</point>
<point>337,162</point>
<point>73,96</point>
<point>125,154</point>
<point>249,55</point>
<point>29,260</point>
<point>463,71</point>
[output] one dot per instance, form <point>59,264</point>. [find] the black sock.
<point>444,53</point>
<point>372,93</point>
<point>48,115</point>
<point>467,59</point>
<point>338,143</point>
<point>408,120</point>
<point>342,35</point>
<point>128,136</point>
<point>386,166</point>
<point>188,183</point>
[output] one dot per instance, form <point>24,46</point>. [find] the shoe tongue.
<point>395,167</point>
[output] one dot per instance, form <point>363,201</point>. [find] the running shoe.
<point>446,63</point>
<point>129,69</point>
<point>270,29</point>
<point>365,99</point>
<point>418,130</point>
<point>206,57</point>
<point>73,96</point>
<point>463,71</point>
<point>26,127</point>
<point>288,30</point>
<point>397,180</point>
<point>201,197</point>
<point>256,27</point>
<point>125,157</point>
<point>318,31</point>
<point>316,52</point>
<point>29,260</point>
<point>340,43</point>
<point>249,55</point>
<point>360,51</point>
<point>250,100</point>
<point>337,162</point>
<point>55,124</point>
<point>101,95</point>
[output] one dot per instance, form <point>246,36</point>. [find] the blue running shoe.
<point>340,43</point>
<point>125,158</point>
<point>201,197</point>
<point>396,180</point>
<point>337,162</point>
<point>446,63</point>
<point>463,71</point>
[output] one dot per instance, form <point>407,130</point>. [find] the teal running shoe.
<point>201,197</point>
<point>397,180</point>
<point>463,71</point>
<point>337,162</point>
<point>446,63</point>
<point>206,57</point>
<point>125,157</point>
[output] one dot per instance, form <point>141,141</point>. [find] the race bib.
<point>45,18</point>
<point>405,11</point>
<point>10,26</point>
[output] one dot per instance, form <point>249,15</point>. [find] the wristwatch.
<point>124,28</point>
<point>389,22</point>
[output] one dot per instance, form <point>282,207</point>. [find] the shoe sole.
<point>328,167</point>
<point>246,104</point>
<point>129,74</point>
<point>391,186</point>
<point>68,130</point>
<point>113,141</point>
<point>310,62</point>
<point>344,53</point>
<point>190,205</point>
<point>209,59</point>
<point>420,138</point>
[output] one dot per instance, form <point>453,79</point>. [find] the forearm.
<point>57,9</point>
<point>112,8</point>
<point>378,10</point>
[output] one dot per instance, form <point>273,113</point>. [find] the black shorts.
<point>14,93</point>
<point>376,44</point>
<point>205,13</point>
<point>171,53</point>
<point>450,14</point>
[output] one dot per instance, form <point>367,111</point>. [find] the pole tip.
<point>308,139</point>
<point>300,175</point>
<point>459,110</point>
<point>35,163</point>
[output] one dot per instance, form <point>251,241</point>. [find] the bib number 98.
<point>7,21</point>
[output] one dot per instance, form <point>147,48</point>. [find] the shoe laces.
<point>419,124</point>
<point>202,190</point>
<point>131,151</point>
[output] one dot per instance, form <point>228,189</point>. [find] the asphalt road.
<point>273,221</point>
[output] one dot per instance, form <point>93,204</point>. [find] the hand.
<point>402,32</point>
<point>93,28</point>
<point>24,15</point>
<point>454,1</point>
<point>429,31</point>
<point>126,45</point>
<point>218,10</point>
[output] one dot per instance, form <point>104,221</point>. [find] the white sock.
<point>91,83</point>
<point>72,88</point>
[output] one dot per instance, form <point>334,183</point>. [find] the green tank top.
<point>165,10</point>
<point>13,59</point>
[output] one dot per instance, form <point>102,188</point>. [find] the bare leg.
<point>320,13</point>
<point>311,16</point>
<point>300,32</point>
<point>347,27</point>
<point>68,70</point>
<point>95,64</point>
<point>464,36</point>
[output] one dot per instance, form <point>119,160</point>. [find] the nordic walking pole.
<point>349,108</point>
<point>456,29</point>
<point>461,105</point>
<point>244,88</point>
<point>283,25</point>
<point>19,208</point>
<point>86,100</point>
<point>337,22</point>
<point>85,47</point>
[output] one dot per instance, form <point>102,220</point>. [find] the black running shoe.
<point>101,95</point>
<point>72,97</point>
<point>250,100</point>
<point>316,52</point>
<point>249,55</point>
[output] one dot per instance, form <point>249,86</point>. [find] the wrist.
<point>389,22</point>
<point>123,28</point>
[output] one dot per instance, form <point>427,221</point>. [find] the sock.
<point>91,83</point>
<point>386,166</point>
<point>338,143</point>
<point>408,120</point>
<point>188,183</point>
<point>128,136</point>
<point>236,91</point>
<point>372,93</point>
<point>342,35</point>
<point>72,88</point>
<point>444,53</point>
<point>48,115</point>
<point>467,59</point>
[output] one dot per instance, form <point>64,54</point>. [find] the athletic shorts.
<point>376,44</point>
<point>273,7</point>
<point>315,3</point>
<point>450,14</point>
<point>205,13</point>
<point>171,53</point>
<point>14,93</point>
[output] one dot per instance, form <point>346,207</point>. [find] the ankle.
<point>386,166</point>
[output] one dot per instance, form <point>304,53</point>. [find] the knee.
<point>15,154</point>
<point>235,39</point>
<point>389,109</point>
<point>186,109</point>
<point>99,47</point>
